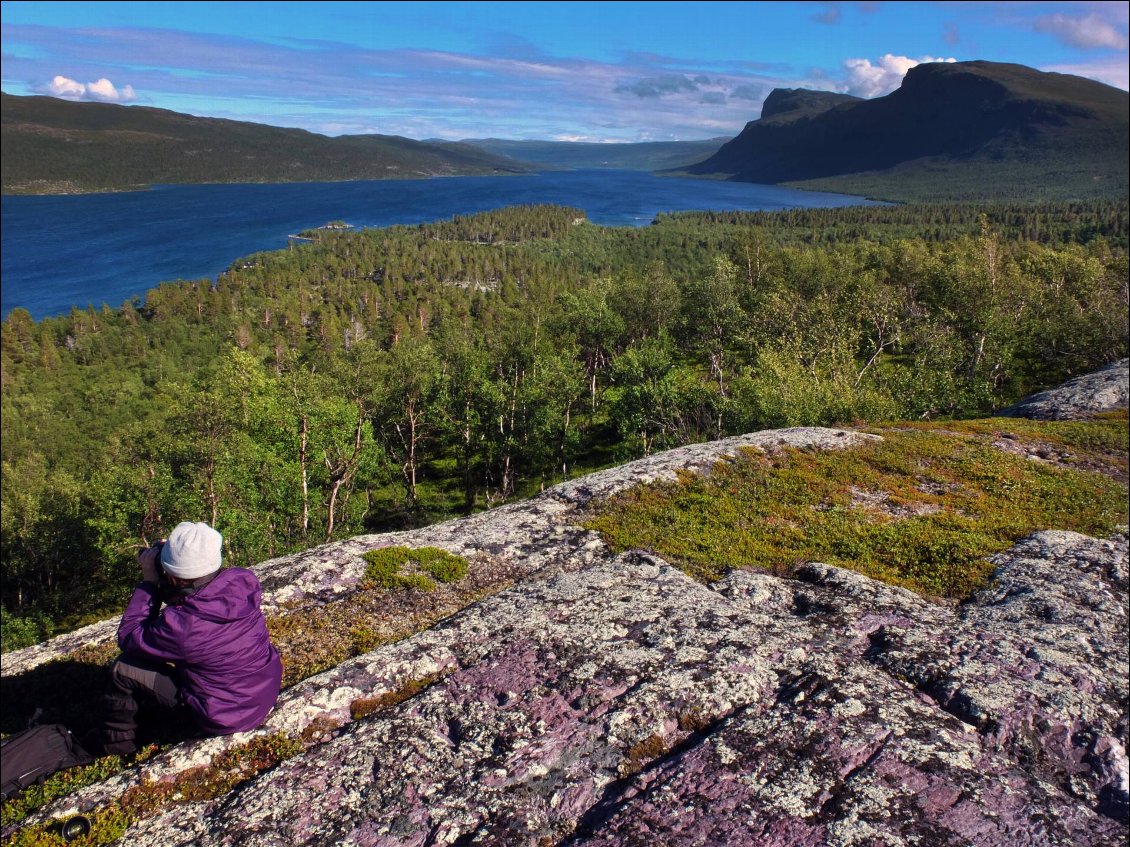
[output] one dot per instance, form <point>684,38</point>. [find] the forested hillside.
<point>388,378</point>
<point>53,146</point>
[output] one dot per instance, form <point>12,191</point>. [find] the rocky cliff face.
<point>589,698</point>
<point>953,111</point>
<point>792,103</point>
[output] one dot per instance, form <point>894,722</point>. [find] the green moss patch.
<point>230,768</point>
<point>313,640</point>
<point>426,566</point>
<point>1106,436</point>
<point>234,766</point>
<point>923,509</point>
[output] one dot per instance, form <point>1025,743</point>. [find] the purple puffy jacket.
<point>230,673</point>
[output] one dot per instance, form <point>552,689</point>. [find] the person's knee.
<point>129,677</point>
<point>156,683</point>
<point>121,677</point>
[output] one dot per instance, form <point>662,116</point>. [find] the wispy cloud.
<point>830,15</point>
<point>749,92</point>
<point>507,85</point>
<point>340,88</point>
<point>1089,32</point>
<point>833,12</point>
<point>658,86</point>
<point>1113,71</point>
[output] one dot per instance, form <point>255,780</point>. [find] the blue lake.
<point>94,249</point>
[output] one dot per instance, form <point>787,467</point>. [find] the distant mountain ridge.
<point>952,131</point>
<point>55,146</point>
<point>576,155</point>
<point>967,128</point>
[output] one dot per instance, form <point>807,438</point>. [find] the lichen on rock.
<point>582,697</point>
<point>1084,396</point>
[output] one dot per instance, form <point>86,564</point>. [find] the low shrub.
<point>230,768</point>
<point>938,504</point>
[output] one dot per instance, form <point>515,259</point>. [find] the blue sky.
<point>637,71</point>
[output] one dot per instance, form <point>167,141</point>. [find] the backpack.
<point>33,755</point>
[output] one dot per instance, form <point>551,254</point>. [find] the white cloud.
<point>1088,33</point>
<point>103,90</point>
<point>873,80</point>
<point>60,86</point>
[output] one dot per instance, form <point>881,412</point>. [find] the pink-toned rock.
<point>612,700</point>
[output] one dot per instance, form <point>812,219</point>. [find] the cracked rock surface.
<point>626,702</point>
<point>613,700</point>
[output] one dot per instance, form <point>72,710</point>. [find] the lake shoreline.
<point>150,186</point>
<point>73,250</point>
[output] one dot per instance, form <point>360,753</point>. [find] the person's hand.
<point>150,566</point>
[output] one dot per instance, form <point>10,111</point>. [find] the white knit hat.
<point>191,551</point>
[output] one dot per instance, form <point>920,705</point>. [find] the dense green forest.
<point>387,378</point>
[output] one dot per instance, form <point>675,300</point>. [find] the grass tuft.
<point>364,707</point>
<point>641,754</point>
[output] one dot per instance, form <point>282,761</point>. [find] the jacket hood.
<point>233,594</point>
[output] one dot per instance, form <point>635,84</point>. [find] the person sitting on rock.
<point>206,654</point>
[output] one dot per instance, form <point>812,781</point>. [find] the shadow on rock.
<point>66,692</point>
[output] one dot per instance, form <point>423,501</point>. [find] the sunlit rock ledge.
<point>522,537</point>
<point>604,699</point>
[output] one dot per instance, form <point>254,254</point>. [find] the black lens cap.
<point>75,827</point>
